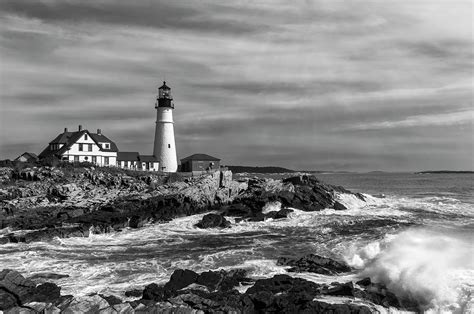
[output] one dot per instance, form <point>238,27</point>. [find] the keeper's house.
<point>200,163</point>
<point>82,146</point>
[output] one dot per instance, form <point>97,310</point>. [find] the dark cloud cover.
<point>336,85</point>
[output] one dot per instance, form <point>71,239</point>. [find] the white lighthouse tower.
<point>164,149</point>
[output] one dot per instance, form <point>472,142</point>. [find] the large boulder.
<point>213,221</point>
<point>88,304</point>
<point>181,278</point>
<point>222,280</point>
<point>17,290</point>
<point>315,264</point>
<point>14,283</point>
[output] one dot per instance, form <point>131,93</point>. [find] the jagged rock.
<point>284,283</point>
<point>181,278</point>
<point>91,304</point>
<point>213,221</point>
<point>39,307</point>
<point>155,293</point>
<point>282,213</point>
<point>111,299</point>
<point>134,293</point>
<point>223,280</point>
<point>14,283</point>
<point>46,292</point>
<point>7,300</point>
<point>99,201</point>
<point>225,179</point>
<point>315,264</point>
<point>338,206</point>
<point>344,289</point>
<point>16,290</point>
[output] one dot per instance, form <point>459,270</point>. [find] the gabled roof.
<point>69,138</point>
<point>200,157</point>
<point>148,158</point>
<point>127,156</point>
<point>101,138</point>
<point>28,155</point>
<point>62,138</point>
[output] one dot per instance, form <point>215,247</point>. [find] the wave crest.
<point>431,267</point>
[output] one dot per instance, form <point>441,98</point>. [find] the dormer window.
<point>106,145</point>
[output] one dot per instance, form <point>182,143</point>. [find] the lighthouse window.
<point>169,145</point>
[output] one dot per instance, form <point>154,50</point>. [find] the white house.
<point>82,146</point>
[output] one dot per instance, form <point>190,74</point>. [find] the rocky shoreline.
<point>45,203</point>
<point>222,291</point>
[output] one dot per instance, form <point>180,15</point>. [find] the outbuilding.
<point>200,162</point>
<point>27,157</point>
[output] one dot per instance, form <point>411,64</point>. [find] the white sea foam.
<point>271,206</point>
<point>431,267</point>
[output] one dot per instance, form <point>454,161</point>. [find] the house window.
<point>85,137</point>
<point>89,147</point>
<point>81,148</point>
<point>106,160</point>
<point>76,158</point>
<point>169,145</point>
<point>119,163</point>
<point>94,159</point>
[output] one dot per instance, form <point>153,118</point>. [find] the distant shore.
<point>444,171</point>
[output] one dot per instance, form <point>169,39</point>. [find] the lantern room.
<point>164,97</point>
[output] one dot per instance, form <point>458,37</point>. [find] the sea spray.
<point>432,267</point>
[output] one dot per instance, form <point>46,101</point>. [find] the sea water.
<point>414,234</point>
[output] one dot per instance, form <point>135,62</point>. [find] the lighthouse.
<point>164,149</point>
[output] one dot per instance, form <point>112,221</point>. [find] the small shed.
<point>128,160</point>
<point>149,163</point>
<point>27,157</point>
<point>200,162</point>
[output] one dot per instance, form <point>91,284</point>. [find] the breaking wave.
<point>421,248</point>
<point>432,267</point>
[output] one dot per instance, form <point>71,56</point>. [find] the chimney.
<point>80,127</point>
<point>99,132</point>
<point>65,130</point>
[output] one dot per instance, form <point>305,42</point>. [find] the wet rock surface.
<point>315,264</point>
<point>47,202</point>
<point>213,221</point>
<point>210,292</point>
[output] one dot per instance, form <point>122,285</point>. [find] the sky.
<point>308,85</point>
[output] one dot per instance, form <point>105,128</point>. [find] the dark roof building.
<point>128,156</point>
<point>72,144</point>
<point>200,157</point>
<point>199,162</point>
<point>148,158</point>
<point>27,157</point>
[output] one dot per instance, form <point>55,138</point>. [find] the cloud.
<point>307,84</point>
<point>446,119</point>
<point>153,14</point>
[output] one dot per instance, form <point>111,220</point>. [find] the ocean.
<point>415,234</point>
